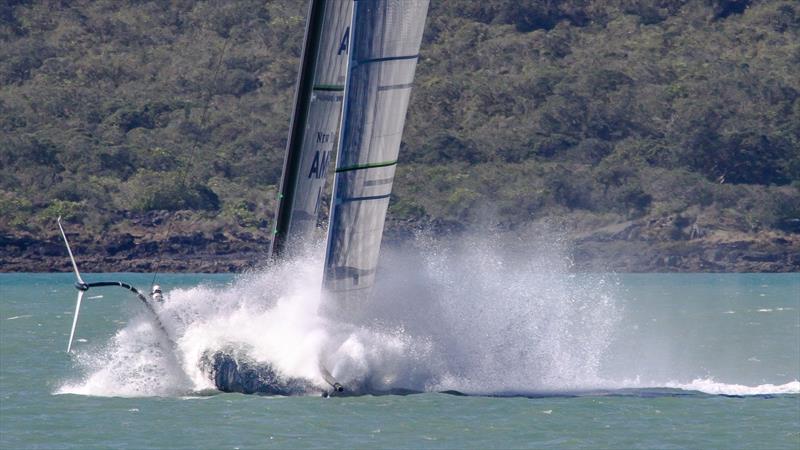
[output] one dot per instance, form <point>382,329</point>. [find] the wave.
<point>709,386</point>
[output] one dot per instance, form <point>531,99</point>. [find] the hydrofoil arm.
<point>83,286</point>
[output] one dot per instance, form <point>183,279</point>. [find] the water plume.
<point>479,315</point>
<point>495,315</point>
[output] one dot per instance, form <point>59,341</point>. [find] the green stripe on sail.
<point>366,166</point>
<point>329,87</point>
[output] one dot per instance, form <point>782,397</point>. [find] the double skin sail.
<point>317,111</point>
<point>384,47</point>
<point>358,66</point>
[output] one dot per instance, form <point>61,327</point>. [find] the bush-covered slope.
<point>678,121</point>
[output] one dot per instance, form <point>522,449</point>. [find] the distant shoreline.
<point>624,248</point>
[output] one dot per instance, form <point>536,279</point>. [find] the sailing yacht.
<point>354,83</point>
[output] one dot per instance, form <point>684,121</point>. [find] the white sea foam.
<point>482,316</point>
<point>133,364</point>
<point>709,386</point>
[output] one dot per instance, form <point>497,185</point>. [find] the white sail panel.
<point>386,37</point>
<point>305,183</point>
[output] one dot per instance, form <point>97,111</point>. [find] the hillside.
<point>653,135</point>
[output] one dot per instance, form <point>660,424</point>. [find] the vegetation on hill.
<point>681,113</point>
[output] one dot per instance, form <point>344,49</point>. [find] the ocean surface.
<point>550,359</point>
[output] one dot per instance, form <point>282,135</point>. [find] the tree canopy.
<point>603,111</point>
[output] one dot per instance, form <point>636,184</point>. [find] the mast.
<point>313,131</point>
<point>384,48</point>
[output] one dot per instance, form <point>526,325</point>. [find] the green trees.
<point>527,109</point>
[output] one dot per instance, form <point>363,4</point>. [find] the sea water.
<point>548,358</point>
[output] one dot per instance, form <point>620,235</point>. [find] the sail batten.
<point>385,42</point>
<point>367,166</point>
<point>386,58</point>
<point>330,88</point>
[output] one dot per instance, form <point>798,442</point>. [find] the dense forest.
<point>656,134</point>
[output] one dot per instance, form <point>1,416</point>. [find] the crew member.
<point>156,294</point>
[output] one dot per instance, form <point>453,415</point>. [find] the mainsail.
<point>384,46</point>
<point>317,110</point>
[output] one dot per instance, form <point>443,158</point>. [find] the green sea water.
<point>616,361</point>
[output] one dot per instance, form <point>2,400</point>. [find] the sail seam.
<point>359,199</point>
<point>329,87</point>
<point>395,86</point>
<point>352,289</point>
<point>387,58</point>
<point>366,166</point>
<point>378,182</point>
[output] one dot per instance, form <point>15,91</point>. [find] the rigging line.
<point>189,163</point>
<point>158,261</point>
<point>206,102</point>
<point>184,174</point>
<point>214,78</point>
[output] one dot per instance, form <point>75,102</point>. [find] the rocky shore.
<point>667,245</point>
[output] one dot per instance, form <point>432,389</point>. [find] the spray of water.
<point>483,315</point>
<point>502,315</point>
<point>135,363</point>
